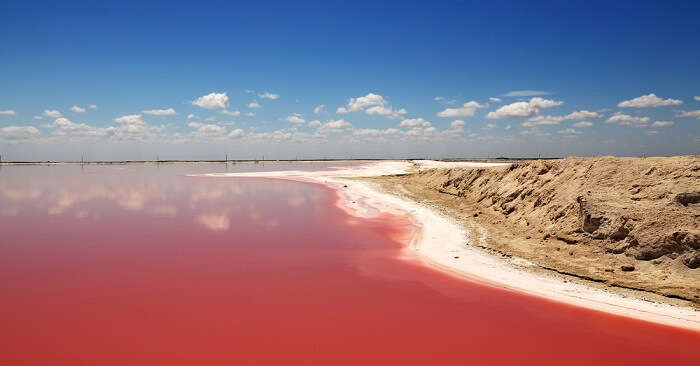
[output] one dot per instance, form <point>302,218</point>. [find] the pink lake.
<point>142,265</point>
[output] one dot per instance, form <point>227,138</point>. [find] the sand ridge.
<point>627,223</point>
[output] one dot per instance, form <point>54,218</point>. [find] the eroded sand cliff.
<point>629,223</point>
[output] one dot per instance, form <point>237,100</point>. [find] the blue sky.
<point>394,59</point>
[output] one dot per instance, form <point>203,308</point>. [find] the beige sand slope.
<point>629,222</point>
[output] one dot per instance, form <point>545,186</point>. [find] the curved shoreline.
<point>444,245</point>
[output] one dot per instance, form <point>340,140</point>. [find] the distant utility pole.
<point>82,159</point>
<point>226,159</point>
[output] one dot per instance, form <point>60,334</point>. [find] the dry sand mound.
<point>646,208</point>
<point>631,222</point>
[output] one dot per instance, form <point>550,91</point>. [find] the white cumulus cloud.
<point>65,127</point>
<point>360,103</point>
<point>7,112</point>
<point>683,114</point>
<point>18,132</point>
<point>627,120</point>
<point>236,134</point>
<point>295,118</point>
<point>555,120</point>
<point>385,111</point>
<point>457,123</point>
<point>333,126</point>
<point>543,120</point>
<point>662,124</point>
<point>77,109</point>
<point>52,113</point>
<point>466,110</point>
<point>372,104</point>
<point>584,114</point>
<point>378,110</point>
<point>523,109</point>
<point>130,119</point>
<point>254,105</point>
<point>319,108</point>
<point>207,130</point>
<point>415,122</point>
<point>212,101</point>
<point>649,100</point>
<point>338,124</point>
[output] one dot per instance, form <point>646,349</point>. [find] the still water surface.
<point>142,265</point>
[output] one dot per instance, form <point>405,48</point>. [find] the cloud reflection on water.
<point>82,194</point>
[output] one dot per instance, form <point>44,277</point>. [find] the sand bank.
<point>445,245</point>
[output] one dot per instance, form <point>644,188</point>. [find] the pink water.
<point>141,265</point>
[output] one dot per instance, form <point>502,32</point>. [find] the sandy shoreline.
<point>444,245</point>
